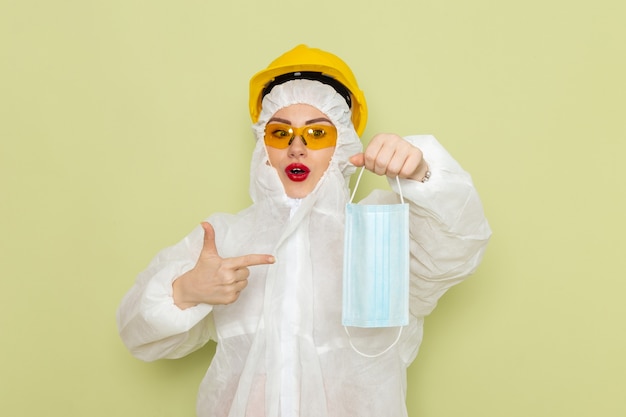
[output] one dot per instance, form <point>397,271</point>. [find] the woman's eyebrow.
<point>278,119</point>
<point>319,119</point>
<point>308,122</point>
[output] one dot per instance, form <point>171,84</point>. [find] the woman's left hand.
<point>389,154</point>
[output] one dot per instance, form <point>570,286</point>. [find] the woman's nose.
<point>297,147</point>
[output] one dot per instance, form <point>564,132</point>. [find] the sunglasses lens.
<point>278,135</point>
<point>320,136</point>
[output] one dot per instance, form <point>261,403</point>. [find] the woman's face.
<point>299,167</point>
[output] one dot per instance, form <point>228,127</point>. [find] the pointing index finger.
<point>251,260</point>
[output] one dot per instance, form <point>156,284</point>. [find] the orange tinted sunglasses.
<point>280,135</point>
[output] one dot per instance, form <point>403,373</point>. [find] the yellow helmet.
<point>310,63</point>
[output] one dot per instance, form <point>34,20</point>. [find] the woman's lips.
<point>297,172</point>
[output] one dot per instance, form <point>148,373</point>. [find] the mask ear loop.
<point>356,185</point>
<point>358,180</point>
<point>374,355</point>
<point>400,189</point>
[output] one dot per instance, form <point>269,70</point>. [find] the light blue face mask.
<point>376,264</point>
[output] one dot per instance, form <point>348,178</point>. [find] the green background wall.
<point>123,123</point>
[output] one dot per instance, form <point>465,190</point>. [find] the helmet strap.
<point>310,75</point>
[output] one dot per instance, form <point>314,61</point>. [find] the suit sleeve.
<point>150,324</point>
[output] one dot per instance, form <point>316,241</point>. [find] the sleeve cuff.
<point>158,308</point>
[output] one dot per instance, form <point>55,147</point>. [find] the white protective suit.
<point>281,347</point>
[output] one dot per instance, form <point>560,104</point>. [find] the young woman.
<point>266,283</point>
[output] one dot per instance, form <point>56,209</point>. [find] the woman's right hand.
<point>215,280</point>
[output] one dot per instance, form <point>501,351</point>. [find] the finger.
<point>233,278</point>
<point>377,158</point>
<point>240,285</point>
<point>401,164</point>
<point>357,160</point>
<point>411,165</point>
<point>241,274</point>
<point>235,291</point>
<point>394,168</point>
<point>384,159</point>
<point>406,162</point>
<point>372,156</point>
<point>249,260</point>
<point>208,246</point>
